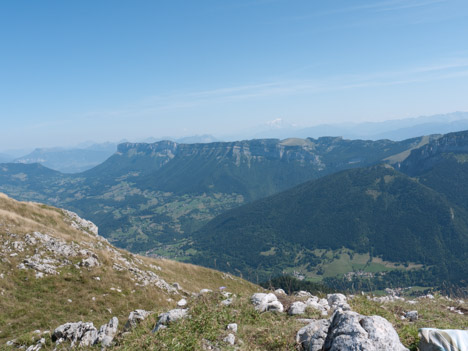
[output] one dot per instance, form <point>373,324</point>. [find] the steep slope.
<point>373,210</point>
<point>442,164</point>
<point>55,268</point>
<point>147,195</point>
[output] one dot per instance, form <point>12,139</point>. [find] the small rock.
<point>412,316</point>
<point>303,293</point>
<point>266,302</point>
<point>107,332</point>
<point>176,285</point>
<point>280,292</point>
<point>232,327</point>
<point>296,308</point>
<point>135,317</point>
<point>336,301</point>
<point>205,291</point>
<point>170,317</point>
<point>89,262</point>
<point>230,339</point>
<point>182,302</point>
<point>227,302</point>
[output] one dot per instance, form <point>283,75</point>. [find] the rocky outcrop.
<point>85,334</point>
<point>79,334</point>
<point>81,224</point>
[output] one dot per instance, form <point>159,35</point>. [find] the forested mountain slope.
<point>376,211</point>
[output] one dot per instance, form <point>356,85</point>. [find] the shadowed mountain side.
<point>442,164</point>
<point>372,210</point>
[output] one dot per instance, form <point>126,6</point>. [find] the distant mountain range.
<point>85,155</point>
<point>70,160</point>
<point>398,129</point>
<point>89,154</point>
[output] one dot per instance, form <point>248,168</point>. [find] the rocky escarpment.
<point>424,158</point>
<point>49,255</point>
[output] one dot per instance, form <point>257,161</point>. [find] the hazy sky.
<point>99,70</point>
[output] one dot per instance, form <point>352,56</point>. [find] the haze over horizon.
<point>112,70</point>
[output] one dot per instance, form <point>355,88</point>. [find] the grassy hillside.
<point>66,289</point>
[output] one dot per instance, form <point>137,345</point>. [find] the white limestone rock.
<point>318,304</point>
<point>266,302</point>
<point>336,301</point>
<point>182,303</point>
<point>107,332</point>
<point>80,334</point>
<point>81,224</point>
<point>230,339</point>
<point>412,316</point>
<point>351,331</point>
<point>90,262</point>
<point>296,308</point>
<point>169,317</point>
<point>232,327</point>
<point>312,336</point>
<point>303,293</point>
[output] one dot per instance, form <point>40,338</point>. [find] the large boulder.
<point>351,331</point>
<point>266,302</point>
<point>312,336</point>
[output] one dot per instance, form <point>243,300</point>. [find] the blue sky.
<point>100,70</point>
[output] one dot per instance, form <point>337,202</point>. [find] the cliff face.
<point>424,158</point>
